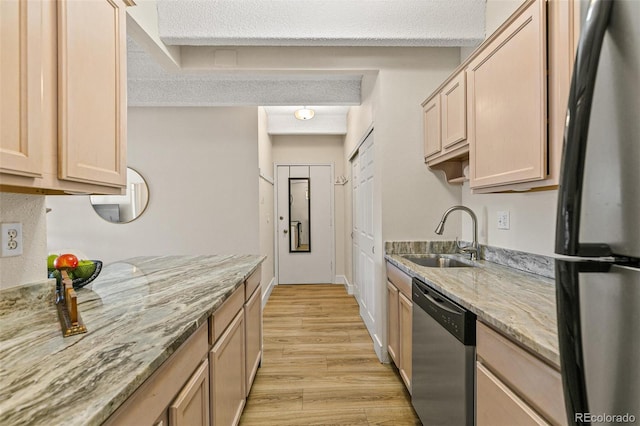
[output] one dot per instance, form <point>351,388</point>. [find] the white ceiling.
<point>328,120</point>
<point>254,63</point>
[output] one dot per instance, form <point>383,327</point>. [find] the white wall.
<point>319,149</point>
<point>532,217</point>
<point>266,200</point>
<point>31,267</point>
<point>201,165</point>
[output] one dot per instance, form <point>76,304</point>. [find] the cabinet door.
<point>253,330</point>
<point>454,112</point>
<point>406,321</point>
<point>191,406</point>
<point>497,405</point>
<point>431,118</point>
<point>227,360</point>
<point>92,103</point>
<point>21,38</point>
<point>507,100</point>
<point>393,323</point>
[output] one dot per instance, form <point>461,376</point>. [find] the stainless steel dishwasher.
<point>444,338</point>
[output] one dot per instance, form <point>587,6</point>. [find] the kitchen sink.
<point>438,261</point>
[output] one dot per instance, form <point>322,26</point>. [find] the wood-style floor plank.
<point>319,367</point>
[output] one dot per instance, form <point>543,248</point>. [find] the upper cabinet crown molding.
<point>69,134</point>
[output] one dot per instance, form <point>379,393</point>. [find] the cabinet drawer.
<point>252,283</point>
<point>225,313</point>
<point>401,280</point>
<point>536,382</point>
<point>497,405</point>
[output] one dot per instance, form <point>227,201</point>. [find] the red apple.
<point>65,261</point>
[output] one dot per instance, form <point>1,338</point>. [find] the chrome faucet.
<point>471,249</point>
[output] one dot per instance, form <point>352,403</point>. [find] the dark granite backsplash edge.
<point>523,261</point>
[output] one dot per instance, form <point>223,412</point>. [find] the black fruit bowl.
<point>78,282</point>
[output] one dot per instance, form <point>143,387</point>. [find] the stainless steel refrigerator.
<point>598,221</point>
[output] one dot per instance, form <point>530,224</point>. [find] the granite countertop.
<point>520,304</point>
<point>137,313</point>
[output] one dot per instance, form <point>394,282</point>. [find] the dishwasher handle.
<point>440,303</point>
<point>458,321</point>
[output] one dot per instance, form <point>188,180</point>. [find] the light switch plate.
<point>11,239</point>
<point>503,220</point>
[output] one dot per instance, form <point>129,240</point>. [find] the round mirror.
<point>127,207</point>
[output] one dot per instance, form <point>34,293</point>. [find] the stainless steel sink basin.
<point>438,261</point>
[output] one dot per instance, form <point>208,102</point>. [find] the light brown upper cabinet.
<point>64,68</point>
<point>515,100</point>
<point>21,39</point>
<point>507,100</point>
<point>445,126</point>
<point>432,130</point>
<point>92,77</point>
<point>453,98</point>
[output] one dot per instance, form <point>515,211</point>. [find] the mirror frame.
<point>308,180</point>
<point>144,209</point>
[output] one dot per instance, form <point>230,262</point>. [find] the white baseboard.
<point>342,279</point>
<point>267,293</point>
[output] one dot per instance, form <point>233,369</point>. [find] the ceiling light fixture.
<point>304,113</point>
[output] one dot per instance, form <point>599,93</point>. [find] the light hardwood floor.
<point>319,367</point>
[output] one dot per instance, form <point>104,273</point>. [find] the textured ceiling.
<point>229,75</point>
<point>321,22</point>
<point>149,84</point>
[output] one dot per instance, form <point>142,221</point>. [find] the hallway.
<point>319,366</point>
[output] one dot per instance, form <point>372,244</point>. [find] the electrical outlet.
<point>503,219</point>
<point>11,239</point>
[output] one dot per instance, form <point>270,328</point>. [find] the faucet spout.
<point>473,248</point>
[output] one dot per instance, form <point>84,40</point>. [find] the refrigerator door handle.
<point>570,339</point>
<point>575,136</point>
<point>570,334</point>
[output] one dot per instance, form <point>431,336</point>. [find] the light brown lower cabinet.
<point>513,385</point>
<point>253,336</point>
<point>227,359</point>
<point>206,381</point>
<point>399,322</point>
<point>393,322</point>
<point>498,405</point>
<point>150,403</point>
<point>191,406</point>
<point>406,324</point>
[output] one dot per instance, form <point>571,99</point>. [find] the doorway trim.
<point>275,217</point>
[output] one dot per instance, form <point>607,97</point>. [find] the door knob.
<point>286,230</point>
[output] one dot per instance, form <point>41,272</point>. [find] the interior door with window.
<point>304,232</point>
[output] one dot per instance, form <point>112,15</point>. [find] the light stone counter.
<point>521,305</point>
<point>138,312</point>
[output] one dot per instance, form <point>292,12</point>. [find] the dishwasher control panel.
<point>458,321</point>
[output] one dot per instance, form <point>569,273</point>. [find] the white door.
<point>364,265</point>
<point>305,243</point>
<point>355,250</point>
